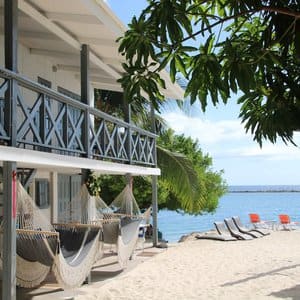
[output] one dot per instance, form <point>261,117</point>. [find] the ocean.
<point>267,201</point>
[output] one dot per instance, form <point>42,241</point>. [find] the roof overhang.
<point>69,164</point>
<point>57,29</point>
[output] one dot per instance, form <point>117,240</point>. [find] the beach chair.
<point>235,232</point>
<point>222,234</point>
<point>285,222</point>
<point>253,232</point>
<point>258,223</point>
<point>215,237</point>
<point>222,230</point>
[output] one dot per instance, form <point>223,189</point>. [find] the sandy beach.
<point>265,268</point>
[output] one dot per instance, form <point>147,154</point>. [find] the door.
<point>69,208</point>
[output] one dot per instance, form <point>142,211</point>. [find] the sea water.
<point>267,201</point>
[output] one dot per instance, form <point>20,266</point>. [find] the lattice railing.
<point>46,120</point>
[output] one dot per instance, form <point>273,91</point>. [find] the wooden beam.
<point>37,35</point>
<point>68,17</point>
<point>51,53</point>
<point>113,61</point>
<point>62,34</point>
<point>105,15</point>
<point>43,20</point>
<point>97,41</point>
<point>103,80</point>
<point>107,86</point>
<point>76,69</point>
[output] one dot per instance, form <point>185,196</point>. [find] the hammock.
<point>127,209</point>
<point>40,248</point>
<point>120,220</point>
<point>125,203</point>
<point>127,240</point>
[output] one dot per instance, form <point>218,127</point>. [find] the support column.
<point>54,197</point>
<point>9,168</point>
<point>85,94</point>
<point>154,187</point>
<point>85,98</point>
<point>9,230</point>
<point>11,63</point>
<point>129,181</point>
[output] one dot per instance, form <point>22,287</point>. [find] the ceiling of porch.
<point>58,28</point>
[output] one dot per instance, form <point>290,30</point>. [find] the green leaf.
<point>173,69</point>
<point>180,66</point>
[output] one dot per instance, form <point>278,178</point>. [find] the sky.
<point>220,134</point>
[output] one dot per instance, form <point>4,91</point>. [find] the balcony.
<point>41,119</point>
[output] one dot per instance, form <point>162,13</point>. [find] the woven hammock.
<point>126,236</point>
<point>125,203</point>
<point>40,248</point>
<point>86,209</point>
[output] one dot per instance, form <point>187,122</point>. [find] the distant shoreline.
<point>267,191</point>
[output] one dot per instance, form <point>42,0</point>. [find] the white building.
<point>53,54</point>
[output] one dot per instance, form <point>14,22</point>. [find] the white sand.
<point>268,267</point>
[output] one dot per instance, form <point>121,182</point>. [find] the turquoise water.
<point>267,204</point>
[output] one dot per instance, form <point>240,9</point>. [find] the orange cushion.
<point>254,218</point>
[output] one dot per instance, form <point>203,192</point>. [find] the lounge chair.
<point>287,224</point>
<point>258,223</point>
<point>235,232</point>
<point>216,237</point>
<point>222,229</point>
<point>254,232</point>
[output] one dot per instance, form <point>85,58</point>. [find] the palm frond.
<point>178,172</point>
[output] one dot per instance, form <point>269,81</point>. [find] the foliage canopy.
<point>207,185</point>
<point>221,47</point>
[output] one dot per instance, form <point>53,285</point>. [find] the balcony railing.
<point>46,120</point>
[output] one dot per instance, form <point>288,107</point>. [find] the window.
<point>42,193</point>
<point>68,93</point>
<point>69,206</point>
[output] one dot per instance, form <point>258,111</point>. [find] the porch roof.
<point>69,164</point>
<point>58,28</point>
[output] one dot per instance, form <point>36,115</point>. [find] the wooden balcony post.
<point>85,95</point>
<point>127,118</point>
<point>9,168</point>
<point>11,63</point>
<point>85,98</point>
<point>9,236</point>
<point>154,185</point>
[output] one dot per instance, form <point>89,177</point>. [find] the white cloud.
<point>206,131</point>
<point>278,151</point>
<point>228,139</point>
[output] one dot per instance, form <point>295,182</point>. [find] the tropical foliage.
<point>221,47</point>
<point>187,182</point>
<point>209,186</point>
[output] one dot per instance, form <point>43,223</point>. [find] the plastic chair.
<point>258,223</point>
<point>285,222</point>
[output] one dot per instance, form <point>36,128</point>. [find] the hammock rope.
<point>39,247</point>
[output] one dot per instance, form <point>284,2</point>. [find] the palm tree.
<point>177,171</point>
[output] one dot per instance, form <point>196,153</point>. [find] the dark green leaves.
<point>257,54</point>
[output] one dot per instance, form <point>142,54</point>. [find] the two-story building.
<point>53,54</point>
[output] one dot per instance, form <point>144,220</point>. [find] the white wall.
<point>34,66</point>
